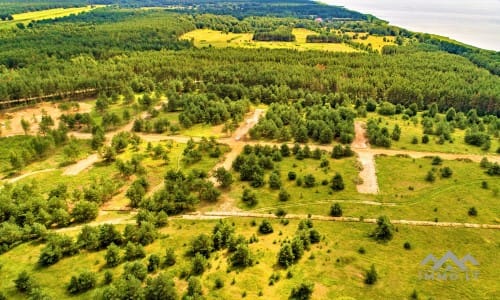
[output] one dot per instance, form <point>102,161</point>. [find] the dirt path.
<point>14,179</point>
<point>360,141</point>
<point>225,214</point>
<point>81,165</point>
<point>368,174</point>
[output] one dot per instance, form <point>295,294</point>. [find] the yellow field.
<point>206,38</point>
<point>25,18</point>
<point>377,42</point>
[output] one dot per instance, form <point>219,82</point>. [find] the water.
<point>474,22</point>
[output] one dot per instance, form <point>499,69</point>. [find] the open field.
<point>211,38</point>
<point>334,264</point>
<point>377,42</point>
<point>27,17</point>
<point>409,129</point>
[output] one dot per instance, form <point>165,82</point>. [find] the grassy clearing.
<point>211,38</point>
<point>377,42</point>
<point>409,197</point>
<point>409,130</point>
<point>27,17</point>
<point>301,196</point>
<point>337,268</point>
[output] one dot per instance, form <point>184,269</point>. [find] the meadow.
<point>334,265</point>
<point>218,39</point>
<point>27,17</point>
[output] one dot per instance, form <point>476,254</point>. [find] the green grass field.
<point>211,38</point>
<point>409,197</point>
<point>25,18</point>
<point>410,130</point>
<point>334,264</point>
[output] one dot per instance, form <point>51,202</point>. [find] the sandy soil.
<point>10,122</point>
<point>367,159</point>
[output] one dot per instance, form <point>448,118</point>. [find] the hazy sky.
<point>475,22</point>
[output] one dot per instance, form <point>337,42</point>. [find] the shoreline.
<point>453,22</point>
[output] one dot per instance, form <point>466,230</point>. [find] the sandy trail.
<point>14,179</point>
<point>226,214</point>
<point>366,159</point>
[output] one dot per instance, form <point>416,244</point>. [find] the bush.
<point>280,212</point>
<point>112,256</point>
<point>446,172</point>
<point>283,195</point>
<point>292,175</point>
<point>371,275</point>
<point>337,183</point>
<point>153,263</point>
<point>169,257</point>
<point>242,257</point>
<point>84,282</point>
<point>472,212</point>
<point>136,269</point>
<point>336,210</point>
<point>265,227</point>
<point>302,292</point>
<point>425,139</point>
<point>24,283</point>
<point>199,264</point>
<point>436,160</point>
<point>407,245</point>
<point>430,177</point>
<point>84,211</point>
<point>162,287</point>
<point>219,283</point>
<point>285,255</point>
<point>249,197</point>
<point>384,230</point>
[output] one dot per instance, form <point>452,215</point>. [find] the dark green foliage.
<point>202,244</point>
<point>286,256</point>
<point>275,181</point>
<point>249,197</point>
<point>224,177</point>
<point>436,160</point>
<point>407,245</point>
<point>472,212</point>
<point>284,195</point>
<point>24,283</point>
<point>336,210</point>
<point>371,275</point>
<point>127,287</point>
<point>194,290</point>
<point>242,257</point>
<point>170,258</point>
<point>82,283</point>
<point>88,238</point>
<point>162,287</point>
<point>134,251</point>
<point>430,177</point>
<point>199,264</point>
<point>136,269</point>
<point>57,247</point>
<point>384,230</point>
<point>84,211</point>
<point>112,256</point>
<point>309,181</point>
<point>446,172</point>
<point>292,175</point>
<point>265,227</point>
<point>337,182</point>
<point>302,292</point>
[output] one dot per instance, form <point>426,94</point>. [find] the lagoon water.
<point>474,22</point>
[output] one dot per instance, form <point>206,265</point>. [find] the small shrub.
<point>265,227</point>
<point>472,212</point>
<point>371,275</point>
<point>407,245</point>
